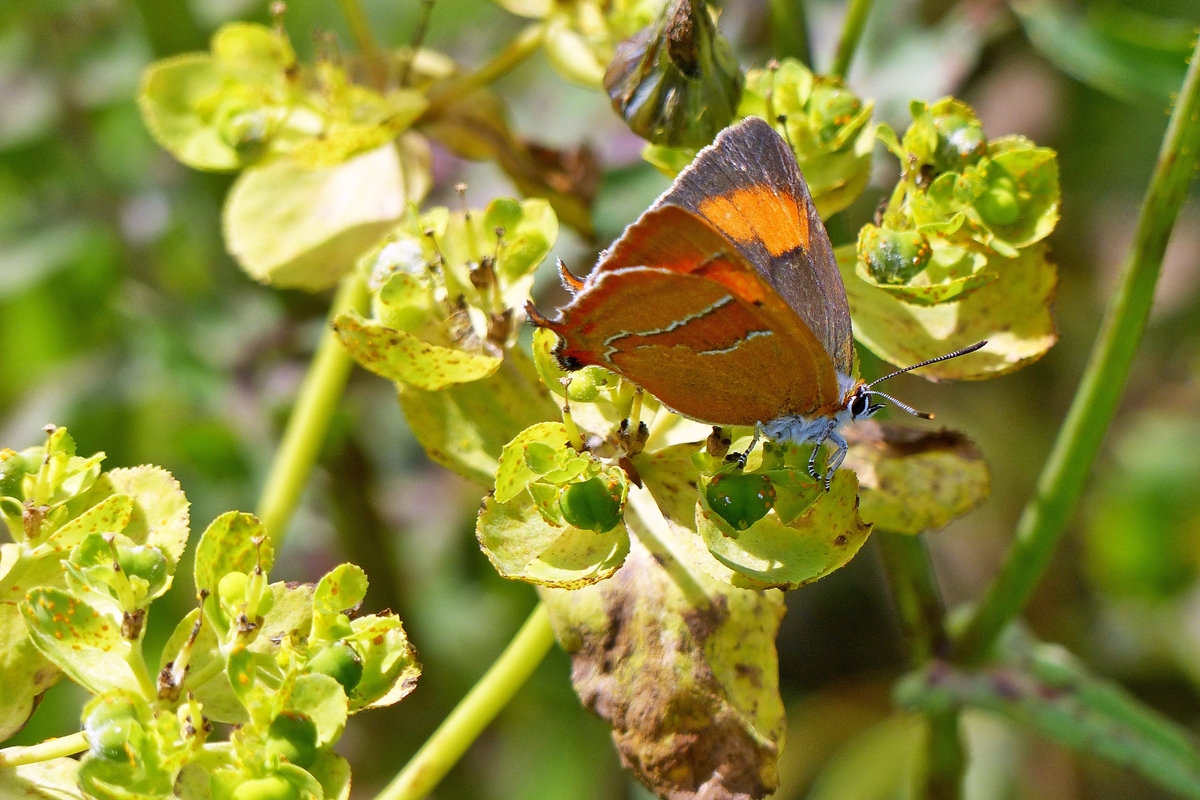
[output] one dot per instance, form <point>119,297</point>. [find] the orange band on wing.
<point>758,214</point>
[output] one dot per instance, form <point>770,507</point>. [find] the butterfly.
<point>724,301</point>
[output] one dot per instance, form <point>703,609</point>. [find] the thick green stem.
<point>309,422</point>
<point>360,29</point>
<point>44,751</point>
<point>914,585</point>
<point>481,705</point>
<point>852,31</point>
<point>947,761</point>
<point>1095,401</point>
<point>789,30</point>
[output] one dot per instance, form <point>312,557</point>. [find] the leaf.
<point>772,554</point>
<point>56,779</point>
<point>303,228</point>
<point>24,673</point>
<point>160,513</point>
<point>1012,313</point>
<point>110,515</point>
<point>339,590</point>
<point>400,356</point>
<point>912,480</point>
<point>464,427</point>
<point>688,684</point>
<point>515,472</point>
<point>321,698</point>
<point>1044,687</point>
<point>171,92</point>
<point>82,641</point>
<point>390,668</point>
<point>530,229</point>
<point>233,542</point>
<point>521,544</point>
<point>333,773</point>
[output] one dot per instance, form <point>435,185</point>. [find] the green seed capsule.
<point>147,563</point>
<point>272,787</point>
<point>741,499</point>
<point>232,588</point>
<point>961,142</point>
<point>293,736</point>
<point>892,256</point>
<point>340,662</point>
<point>592,505</point>
<point>108,726</point>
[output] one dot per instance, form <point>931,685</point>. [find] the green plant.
<point>643,540</point>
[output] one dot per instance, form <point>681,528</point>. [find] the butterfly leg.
<point>838,457</point>
<point>741,457</point>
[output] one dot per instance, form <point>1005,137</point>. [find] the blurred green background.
<point>122,317</point>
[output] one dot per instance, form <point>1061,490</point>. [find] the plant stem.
<point>360,29</point>
<point>946,758</point>
<point>789,30</point>
<point>44,751</point>
<point>1095,402</point>
<point>481,705</point>
<point>910,572</point>
<point>914,585</point>
<point>525,44</point>
<point>852,31</point>
<point>306,428</point>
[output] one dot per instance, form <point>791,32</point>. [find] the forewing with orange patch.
<point>748,186</point>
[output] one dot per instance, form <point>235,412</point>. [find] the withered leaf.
<point>687,680</point>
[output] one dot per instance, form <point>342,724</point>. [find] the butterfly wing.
<point>748,186</point>
<point>678,310</point>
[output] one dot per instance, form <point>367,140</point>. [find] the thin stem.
<point>1095,402</point>
<point>360,29</point>
<point>520,48</point>
<point>852,31</point>
<point>44,751</point>
<point>789,30</point>
<point>306,428</point>
<point>910,572</point>
<point>481,705</point>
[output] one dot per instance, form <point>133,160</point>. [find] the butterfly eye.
<point>858,405</point>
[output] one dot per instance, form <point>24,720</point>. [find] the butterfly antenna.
<point>946,357</point>
<point>904,406</point>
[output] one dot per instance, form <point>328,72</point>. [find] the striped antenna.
<point>946,357</point>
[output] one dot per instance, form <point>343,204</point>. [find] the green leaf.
<point>692,695</point>
<point>339,590</point>
<point>160,512</point>
<point>111,515</point>
<point>1011,312</point>
<point>56,779</point>
<point>321,698</point>
<point>233,542</point>
<point>522,544</point>
<point>518,462</point>
<point>24,672</point>
<point>400,356</point>
<point>303,228</point>
<point>172,91</point>
<point>464,427</point>
<point>333,773</point>
<point>390,668</point>
<point>772,554</point>
<point>530,230</point>
<point>912,480</point>
<point>82,641</point>
<point>1044,687</point>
